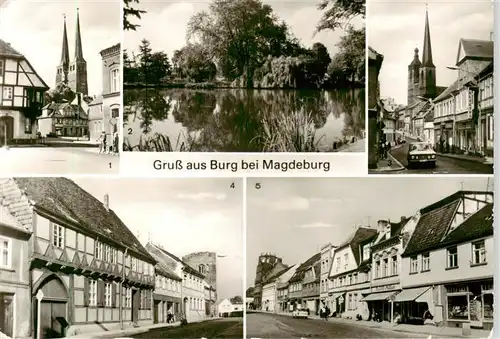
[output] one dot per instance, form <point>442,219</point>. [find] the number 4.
<point>232,185</point>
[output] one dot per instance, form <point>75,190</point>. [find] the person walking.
<point>102,142</point>
<point>115,143</point>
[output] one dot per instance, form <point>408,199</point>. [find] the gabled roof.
<point>187,267</point>
<point>396,229</point>
<point>448,91</point>
<point>433,224</point>
<point>165,271</point>
<point>278,274</point>
<point>301,270</point>
<point>6,50</point>
<point>360,235</point>
<point>479,225</point>
<point>473,48</point>
<point>66,200</point>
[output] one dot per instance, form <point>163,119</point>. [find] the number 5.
<point>257,186</point>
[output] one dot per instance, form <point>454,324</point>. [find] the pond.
<point>241,120</point>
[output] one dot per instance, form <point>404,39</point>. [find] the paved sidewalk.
<point>481,160</point>
<point>388,165</point>
<point>123,333</point>
<point>452,332</point>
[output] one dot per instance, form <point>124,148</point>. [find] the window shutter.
<point>113,294</point>
<point>86,292</point>
<point>100,293</point>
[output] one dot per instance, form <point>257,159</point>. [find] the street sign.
<point>39,295</point>
<point>341,299</point>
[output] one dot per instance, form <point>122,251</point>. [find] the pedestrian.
<point>327,312</point>
<point>115,143</point>
<point>102,142</point>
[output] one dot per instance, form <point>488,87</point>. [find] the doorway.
<point>53,309</point>
<point>136,302</point>
<point>7,314</point>
<point>6,128</point>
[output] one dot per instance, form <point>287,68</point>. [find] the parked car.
<point>421,153</point>
<point>300,313</point>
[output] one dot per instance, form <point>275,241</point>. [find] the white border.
<point>244,216</point>
<point>496,159</point>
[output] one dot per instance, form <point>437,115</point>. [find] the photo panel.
<point>111,258</point>
<point>369,257</point>
<point>60,89</point>
<point>430,87</point>
<point>244,76</point>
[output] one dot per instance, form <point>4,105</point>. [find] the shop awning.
<point>379,296</point>
<point>334,296</point>
<point>411,294</point>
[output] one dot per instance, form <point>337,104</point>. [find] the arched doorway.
<point>6,128</point>
<point>54,308</point>
<point>186,308</point>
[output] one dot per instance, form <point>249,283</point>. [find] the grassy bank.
<point>225,85</point>
<point>160,143</point>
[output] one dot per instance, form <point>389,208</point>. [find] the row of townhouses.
<point>25,113</point>
<point>435,266</point>
<point>70,266</point>
<point>455,119</point>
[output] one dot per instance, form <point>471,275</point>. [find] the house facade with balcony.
<point>21,95</point>
<point>90,268</point>
<point>448,265</point>
<point>350,274</point>
<point>14,277</point>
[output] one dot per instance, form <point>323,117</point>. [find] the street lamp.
<point>475,89</point>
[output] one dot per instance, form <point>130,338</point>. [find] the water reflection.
<point>235,120</point>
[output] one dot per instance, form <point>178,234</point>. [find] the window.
<point>346,260</point>
<point>5,247</point>
<point>413,265</point>
<point>478,253</point>
<point>115,80</point>
<point>338,264</point>
<point>385,268</point>
<point>128,297</point>
<point>7,93</point>
<point>458,307</point>
<point>394,266</point>
<point>366,252</point>
<point>108,294</point>
<point>98,250</point>
<point>355,278</point>
<point>58,236</point>
<point>452,256</point>
<point>377,269</point>
<point>1,68</point>
<point>490,127</point>
<point>27,126</point>
<point>92,292</point>
<point>426,260</point>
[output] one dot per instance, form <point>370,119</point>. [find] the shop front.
<point>379,305</point>
<point>416,306</point>
<point>470,303</point>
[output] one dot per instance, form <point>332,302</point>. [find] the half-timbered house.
<point>91,270</point>
<point>21,95</point>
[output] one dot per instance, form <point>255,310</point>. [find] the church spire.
<point>427,52</point>
<point>65,49</point>
<point>78,39</point>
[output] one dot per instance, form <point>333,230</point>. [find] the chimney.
<point>106,202</point>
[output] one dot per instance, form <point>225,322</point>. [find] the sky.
<point>183,215</point>
<point>35,29</point>
<point>294,218</point>
<point>173,17</point>
<point>395,29</point>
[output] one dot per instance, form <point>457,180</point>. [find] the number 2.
<point>130,131</point>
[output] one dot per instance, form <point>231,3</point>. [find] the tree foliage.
<point>236,300</point>
<point>153,66</point>
<point>131,12</point>
<point>338,13</point>
<point>240,34</point>
<point>193,62</point>
<point>61,93</point>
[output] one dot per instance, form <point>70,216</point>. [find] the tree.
<point>236,300</point>
<point>240,34</point>
<point>145,60</point>
<point>129,11</point>
<point>338,13</point>
<point>352,50</point>
<point>159,67</point>
<point>130,72</point>
<point>193,62</point>
<point>61,93</point>
<point>321,58</point>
